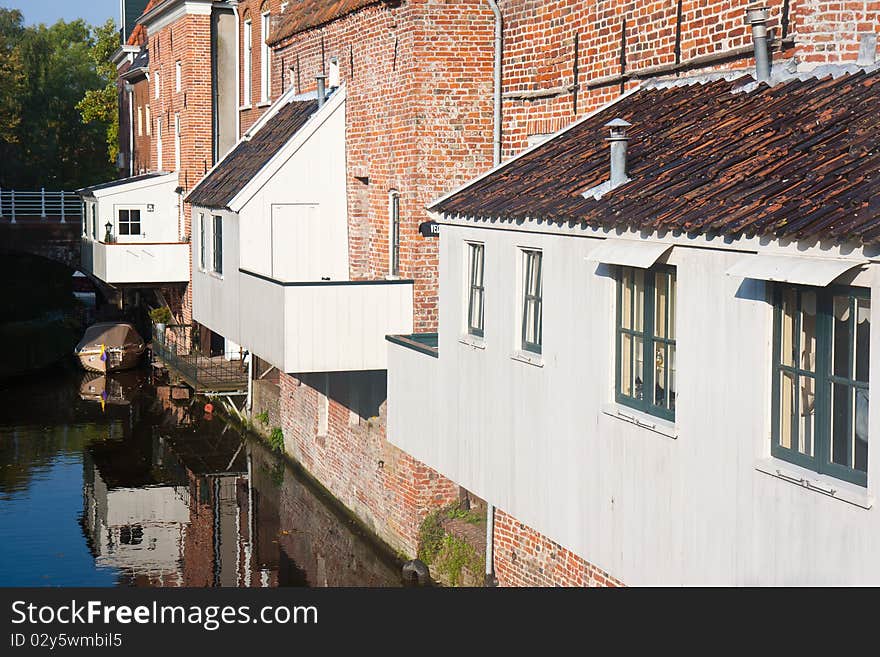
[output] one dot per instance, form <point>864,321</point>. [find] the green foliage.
<point>161,315</point>
<point>102,105</point>
<point>263,417</point>
<point>448,555</point>
<point>45,71</point>
<point>470,517</point>
<point>431,535</point>
<point>276,439</point>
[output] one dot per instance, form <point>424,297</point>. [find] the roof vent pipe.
<point>322,90</point>
<point>757,16</point>
<point>618,141</point>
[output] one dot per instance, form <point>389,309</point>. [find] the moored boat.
<point>110,347</point>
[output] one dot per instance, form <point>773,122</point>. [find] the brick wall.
<point>187,40</point>
<point>624,36</point>
<point>387,489</point>
<point>419,83</point>
<point>523,557</point>
<point>253,10</point>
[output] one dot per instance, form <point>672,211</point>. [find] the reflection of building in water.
<point>134,522</point>
<point>198,506</point>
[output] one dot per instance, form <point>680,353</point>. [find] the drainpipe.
<point>496,160</point>
<point>237,72</point>
<point>757,17</point>
<point>130,89</point>
<point>499,44</point>
<point>250,389</point>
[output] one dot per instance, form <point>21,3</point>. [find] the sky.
<point>48,11</point>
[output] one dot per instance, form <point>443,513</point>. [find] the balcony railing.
<point>179,349</point>
<point>17,204</point>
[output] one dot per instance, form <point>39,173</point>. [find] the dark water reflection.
<point>109,482</point>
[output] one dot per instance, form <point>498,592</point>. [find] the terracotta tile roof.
<point>797,160</point>
<point>237,169</point>
<point>302,15</point>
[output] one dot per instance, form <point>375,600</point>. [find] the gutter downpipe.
<point>496,160</point>
<point>237,72</point>
<point>130,128</point>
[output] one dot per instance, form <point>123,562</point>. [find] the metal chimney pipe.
<point>757,16</point>
<point>322,90</point>
<point>618,141</point>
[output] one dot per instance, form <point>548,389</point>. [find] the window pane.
<point>661,300</point>
<point>808,331</point>
<point>626,368</point>
<point>639,313</point>
<point>789,308</point>
<point>660,375</point>
<point>861,432</point>
<point>787,422</point>
<point>638,369</point>
<point>538,326</point>
<point>806,415</point>
<point>672,298</point>
<point>863,339</point>
<point>842,352</point>
<point>671,372</point>
<point>841,424</point>
<point>626,297</point>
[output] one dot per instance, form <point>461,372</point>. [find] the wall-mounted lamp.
<point>108,237</point>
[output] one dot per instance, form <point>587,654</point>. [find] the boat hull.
<point>117,360</point>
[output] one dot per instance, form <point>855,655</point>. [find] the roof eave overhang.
<point>123,52</point>
<point>171,10</point>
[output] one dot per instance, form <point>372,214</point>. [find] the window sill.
<point>472,341</point>
<point>829,486</point>
<point>244,108</point>
<point>264,103</point>
<point>214,274</point>
<point>392,277</point>
<point>640,419</point>
<point>528,357</point>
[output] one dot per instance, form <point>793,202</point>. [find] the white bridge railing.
<point>16,204</point>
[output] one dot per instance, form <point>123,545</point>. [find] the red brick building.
<point>418,76</point>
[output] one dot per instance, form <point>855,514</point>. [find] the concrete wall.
<point>686,505</point>
<point>224,101</point>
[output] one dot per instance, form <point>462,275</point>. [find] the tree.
<point>102,104</point>
<point>44,73</point>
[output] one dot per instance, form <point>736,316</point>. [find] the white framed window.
<point>159,142</point>
<point>156,83</point>
<point>140,121</point>
<point>129,221</point>
<point>178,76</point>
<point>149,120</point>
<point>247,62</point>
<point>394,232</point>
<point>177,142</point>
<point>265,58</point>
<point>94,220</point>
<point>475,289</point>
<point>324,405</point>
<point>203,241</point>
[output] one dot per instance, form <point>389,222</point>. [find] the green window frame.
<point>476,290</point>
<point>821,357</point>
<point>532,322</point>
<point>218,244</point>
<point>646,314</point>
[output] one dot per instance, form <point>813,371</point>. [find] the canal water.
<point>114,481</point>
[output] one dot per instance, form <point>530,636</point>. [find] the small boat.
<point>110,347</point>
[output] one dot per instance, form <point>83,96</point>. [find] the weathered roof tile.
<point>797,160</point>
